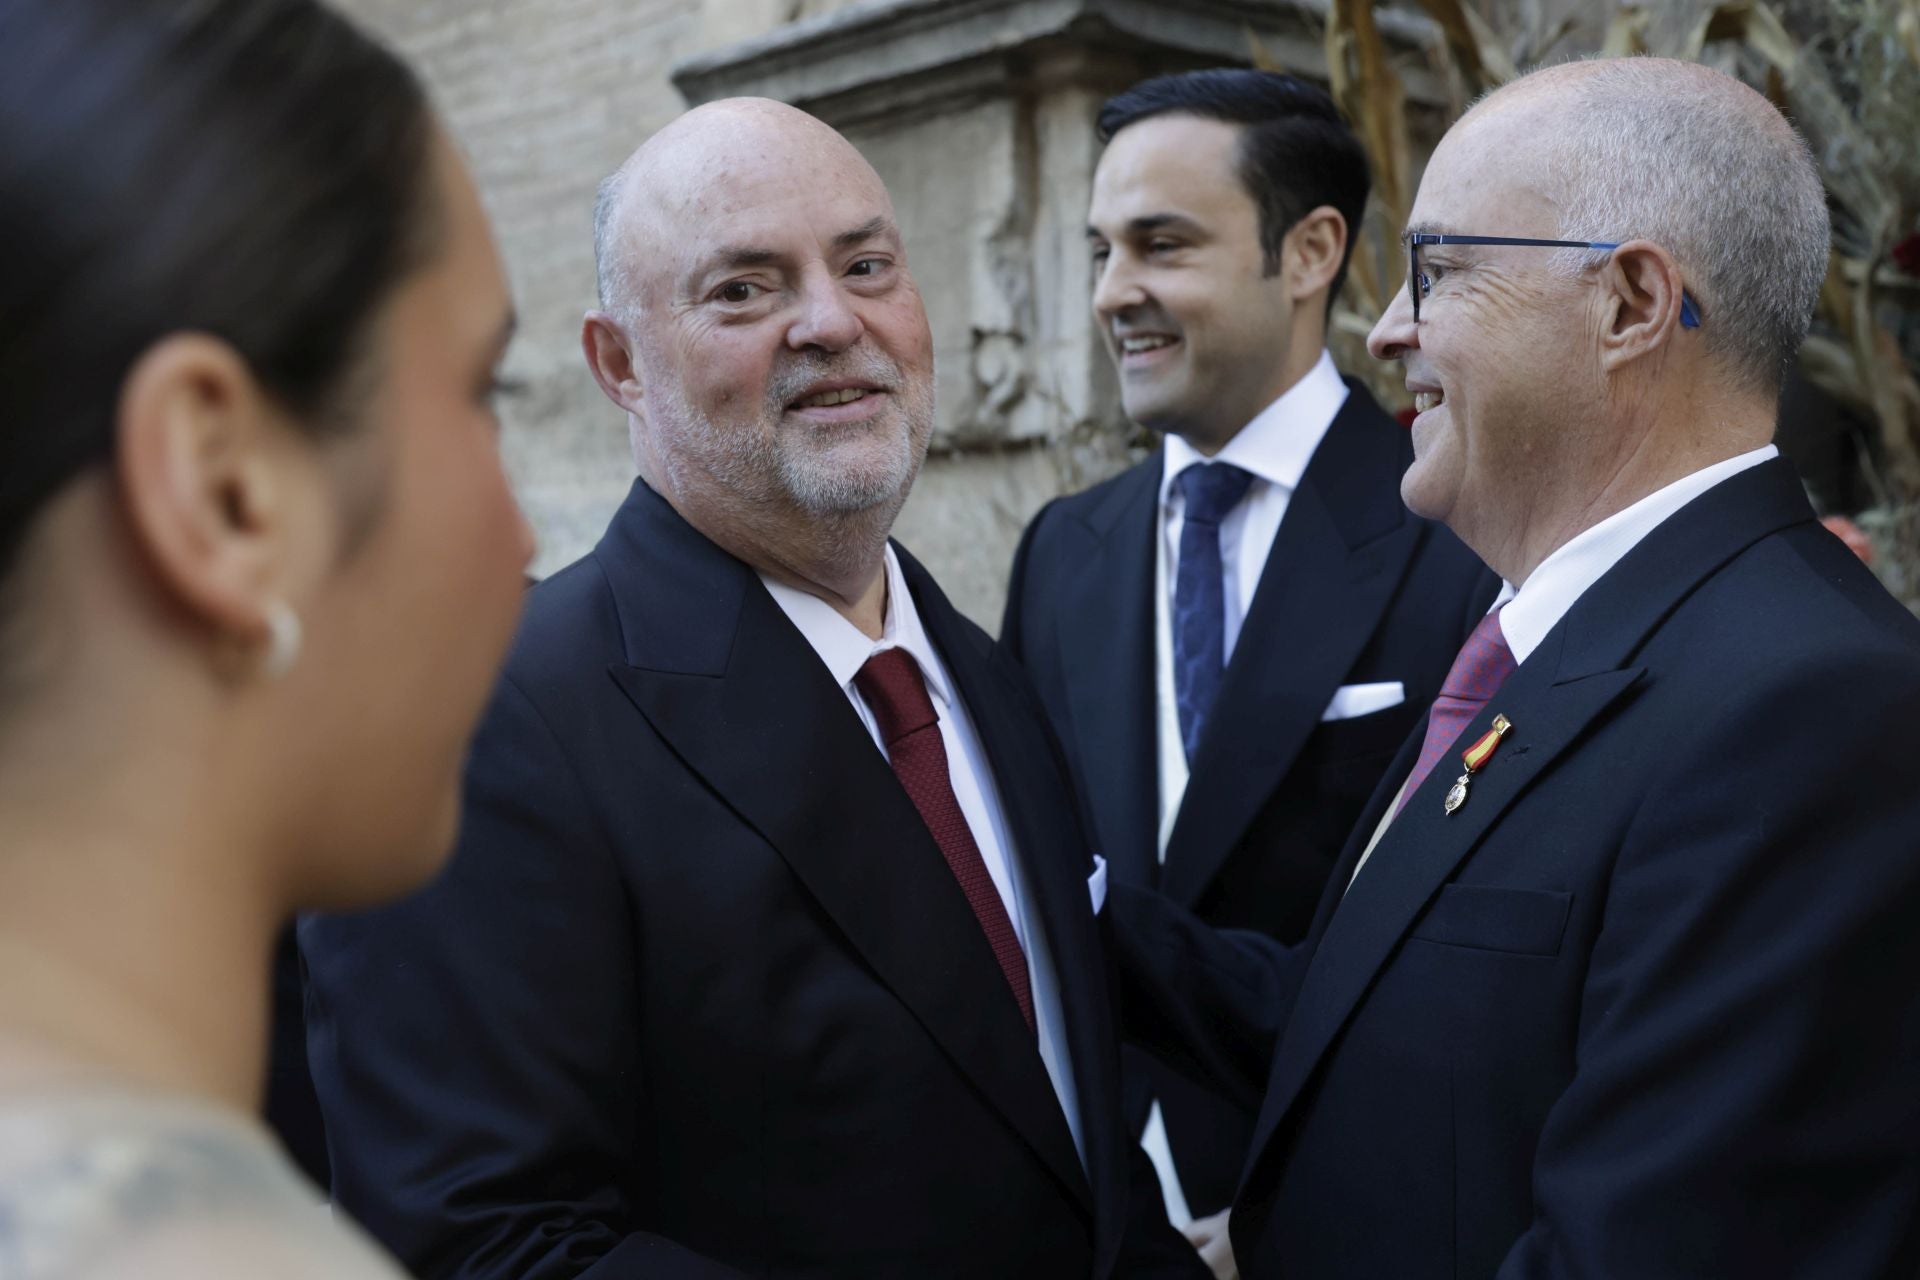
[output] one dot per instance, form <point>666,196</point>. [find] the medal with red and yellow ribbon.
<point>1474,757</point>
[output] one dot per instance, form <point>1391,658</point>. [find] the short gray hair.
<point>1685,157</point>
<point>609,257</point>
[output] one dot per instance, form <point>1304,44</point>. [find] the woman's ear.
<point>212,480</point>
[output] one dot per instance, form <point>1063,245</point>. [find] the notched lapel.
<point>1419,852</point>
<point>1319,601</point>
<point>776,739</point>
<point>1105,636</point>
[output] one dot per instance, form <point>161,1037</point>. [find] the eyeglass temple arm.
<point>1689,309</point>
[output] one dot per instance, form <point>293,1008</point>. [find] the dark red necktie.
<point>890,683</point>
<point>1483,666</point>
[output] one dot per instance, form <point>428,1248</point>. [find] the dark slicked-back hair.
<point>1296,154</point>
<point>257,170</point>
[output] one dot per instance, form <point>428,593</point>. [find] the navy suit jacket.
<point>1356,589</point>
<point>1648,1004</point>
<point>698,994</point>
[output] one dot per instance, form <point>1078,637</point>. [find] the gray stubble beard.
<point>852,511</point>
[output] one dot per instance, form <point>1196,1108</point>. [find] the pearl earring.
<point>283,640</point>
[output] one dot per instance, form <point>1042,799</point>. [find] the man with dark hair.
<point>1252,607</point>
<point>1292,152</point>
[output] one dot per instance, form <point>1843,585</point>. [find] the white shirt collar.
<point>1277,445</point>
<point>1537,605</point>
<point>845,648</point>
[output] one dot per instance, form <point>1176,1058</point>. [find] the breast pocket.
<point>1378,733</point>
<point>1526,922</point>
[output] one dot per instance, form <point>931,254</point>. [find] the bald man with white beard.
<point>1619,974</point>
<point>772,946</point>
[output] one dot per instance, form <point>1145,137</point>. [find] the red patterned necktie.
<point>1483,666</point>
<point>890,683</point>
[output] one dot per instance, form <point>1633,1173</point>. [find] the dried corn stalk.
<point>1859,125</point>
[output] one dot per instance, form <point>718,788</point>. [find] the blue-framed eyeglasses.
<point>1418,286</point>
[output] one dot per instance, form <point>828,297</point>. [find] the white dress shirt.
<point>1275,448</point>
<point>844,648</point>
<point>1535,607</point>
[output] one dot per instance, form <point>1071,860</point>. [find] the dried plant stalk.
<point>1857,109</point>
<point>1474,45</point>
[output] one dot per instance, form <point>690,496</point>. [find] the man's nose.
<point>827,319</point>
<point>1396,333</point>
<point>1116,288</point>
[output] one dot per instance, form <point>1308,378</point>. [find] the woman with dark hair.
<point>258,563</point>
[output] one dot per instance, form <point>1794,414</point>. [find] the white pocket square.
<point>1097,883</point>
<point>1351,700</point>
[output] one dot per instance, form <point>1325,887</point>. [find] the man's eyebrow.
<point>1423,229</point>
<point>872,229</point>
<point>1147,223</point>
<point>732,257</point>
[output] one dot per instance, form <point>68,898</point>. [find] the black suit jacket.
<point>698,994</point>
<point>1356,590</point>
<point>1648,1005</point>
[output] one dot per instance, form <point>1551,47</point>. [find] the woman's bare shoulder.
<point>104,1187</point>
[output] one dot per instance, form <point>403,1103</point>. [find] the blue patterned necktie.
<point>1210,491</point>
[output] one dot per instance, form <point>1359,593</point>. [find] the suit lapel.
<point>1419,852</point>
<point>1331,574</point>
<point>1106,630</point>
<point>1580,671</point>
<point>732,687</point>
<point>1039,815</point>
<point>1369,822</point>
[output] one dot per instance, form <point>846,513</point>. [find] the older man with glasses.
<point>1620,973</point>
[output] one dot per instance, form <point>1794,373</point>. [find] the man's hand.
<point>1209,1236</point>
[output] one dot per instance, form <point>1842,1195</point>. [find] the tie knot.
<point>894,691</point>
<point>1483,665</point>
<point>1211,489</point>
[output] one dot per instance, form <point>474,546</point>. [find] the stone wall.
<point>977,113</point>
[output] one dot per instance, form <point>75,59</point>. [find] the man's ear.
<point>202,465</point>
<point>1313,251</point>
<point>604,343</point>
<point>1642,303</point>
